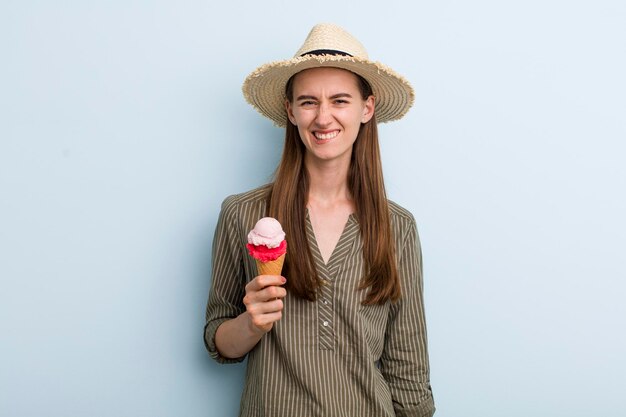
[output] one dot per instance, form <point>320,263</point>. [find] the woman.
<point>342,333</point>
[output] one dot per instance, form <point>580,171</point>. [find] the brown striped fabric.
<point>331,357</point>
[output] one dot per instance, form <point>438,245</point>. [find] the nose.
<point>323,117</point>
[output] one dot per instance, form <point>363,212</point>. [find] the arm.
<point>404,362</point>
<point>227,279</point>
<point>235,338</point>
<point>236,320</point>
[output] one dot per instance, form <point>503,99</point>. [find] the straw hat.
<point>328,46</point>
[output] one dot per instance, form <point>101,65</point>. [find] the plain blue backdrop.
<point>123,127</point>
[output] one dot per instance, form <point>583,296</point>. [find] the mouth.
<point>325,136</point>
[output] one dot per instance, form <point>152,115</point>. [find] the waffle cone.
<point>274,267</point>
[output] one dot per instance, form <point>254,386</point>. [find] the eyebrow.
<point>335,96</point>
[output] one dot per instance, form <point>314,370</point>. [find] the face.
<point>328,110</point>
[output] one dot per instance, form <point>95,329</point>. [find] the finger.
<point>265,307</point>
<point>264,295</point>
<point>262,281</point>
<point>265,320</point>
<point>271,293</point>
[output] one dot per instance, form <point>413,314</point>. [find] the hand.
<point>263,301</point>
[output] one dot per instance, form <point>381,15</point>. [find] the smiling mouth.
<point>325,136</point>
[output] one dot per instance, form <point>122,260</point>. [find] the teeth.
<point>324,136</point>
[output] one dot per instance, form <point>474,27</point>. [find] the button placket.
<point>326,316</point>
<point>325,303</point>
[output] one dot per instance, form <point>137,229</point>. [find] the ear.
<point>290,115</point>
<point>368,109</point>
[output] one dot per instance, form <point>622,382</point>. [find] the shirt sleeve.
<point>404,362</point>
<point>228,278</point>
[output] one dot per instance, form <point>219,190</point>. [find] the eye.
<point>341,101</point>
<point>307,103</point>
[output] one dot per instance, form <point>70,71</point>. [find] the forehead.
<point>325,77</point>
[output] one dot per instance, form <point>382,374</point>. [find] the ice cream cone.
<point>274,267</point>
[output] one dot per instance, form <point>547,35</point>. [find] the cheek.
<point>301,118</point>
<point>353,119</point>
<point>303,134</point>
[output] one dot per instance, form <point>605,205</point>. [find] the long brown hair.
<point>288,199</point>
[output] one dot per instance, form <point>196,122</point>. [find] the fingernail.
<point>284,280</point>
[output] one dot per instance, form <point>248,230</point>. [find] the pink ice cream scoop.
<point>266,242</point>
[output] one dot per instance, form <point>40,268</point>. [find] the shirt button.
<point>325,323</point>
<point>325,301</point>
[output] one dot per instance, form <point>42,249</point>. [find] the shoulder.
<point>397,212</point>
<point>403,224</point>
<point>401,218</point>
<point>241,211</point>
<point>242,202</point>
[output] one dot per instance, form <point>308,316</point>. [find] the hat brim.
<point>264,88</point>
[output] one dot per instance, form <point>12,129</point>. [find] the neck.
<point>328,182</point>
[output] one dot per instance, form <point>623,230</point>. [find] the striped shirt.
<point>334,356</point>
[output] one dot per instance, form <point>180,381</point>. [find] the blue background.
<point>122,128</point>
